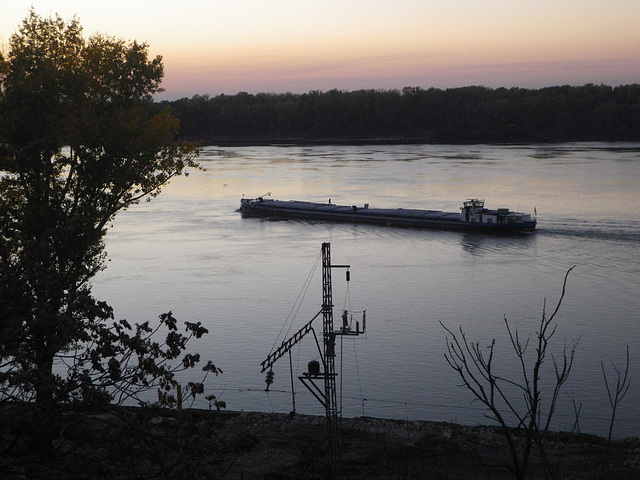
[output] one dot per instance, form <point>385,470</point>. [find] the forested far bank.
<point>457,115</point>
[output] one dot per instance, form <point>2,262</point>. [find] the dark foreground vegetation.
<point>160,444</point>
<point>415,115</point>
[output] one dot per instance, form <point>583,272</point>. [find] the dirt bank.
<point>158,444</point>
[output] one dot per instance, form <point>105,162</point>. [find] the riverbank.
<point>158,444</point>
<point>374,448</point>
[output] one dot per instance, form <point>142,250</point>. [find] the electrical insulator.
<point>269,379</point>
<point>348,275</point>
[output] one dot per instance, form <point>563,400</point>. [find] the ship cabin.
<point>473,211</point>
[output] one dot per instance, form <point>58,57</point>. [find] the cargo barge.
<point>473,215</point>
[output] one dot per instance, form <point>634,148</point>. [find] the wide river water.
<point>191,252</point>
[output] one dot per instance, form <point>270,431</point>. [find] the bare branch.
<point>474,365</point>
<point>615,397</point>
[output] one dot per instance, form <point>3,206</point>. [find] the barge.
<point>472,216</point>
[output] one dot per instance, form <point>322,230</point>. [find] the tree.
<point>616,395</point>
<point>78,144</point>
<point>517,405</point>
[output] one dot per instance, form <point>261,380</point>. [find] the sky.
<point>219,47</point>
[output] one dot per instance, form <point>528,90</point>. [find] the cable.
<point>358,375</point>
<point>297,303</point>
<point>341,374</point>
<point>270,402</point>
<point>347,299</point>
<point>404,405</point>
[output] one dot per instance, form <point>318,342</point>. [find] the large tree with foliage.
<point>78,144</point>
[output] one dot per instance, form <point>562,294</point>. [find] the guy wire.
<point>297,304</point>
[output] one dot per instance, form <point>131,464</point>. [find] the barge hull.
<point>399,217</point>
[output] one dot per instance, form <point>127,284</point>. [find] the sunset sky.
<point>215,47</point>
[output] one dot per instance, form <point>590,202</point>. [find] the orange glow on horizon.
<point>287,45</point>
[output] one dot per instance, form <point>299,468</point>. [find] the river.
<point>191,252</point>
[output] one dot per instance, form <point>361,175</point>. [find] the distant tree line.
<point>458,115</point>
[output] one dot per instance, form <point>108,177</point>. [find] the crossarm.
<point>288,344</point>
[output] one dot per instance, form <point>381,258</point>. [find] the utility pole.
<point>327,396</point>
<point>330,400</point>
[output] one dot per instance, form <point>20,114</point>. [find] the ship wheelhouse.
<point>473,211</point>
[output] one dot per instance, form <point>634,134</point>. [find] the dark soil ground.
<point>393,449</point>
<point>143,444</point>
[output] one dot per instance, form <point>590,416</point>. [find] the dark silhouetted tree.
<point>78,144</point>
<point>517,405</point>
<point>467,114</point>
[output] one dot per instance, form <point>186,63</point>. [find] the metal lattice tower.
<point>331,403</point>
<point>327,396</point>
